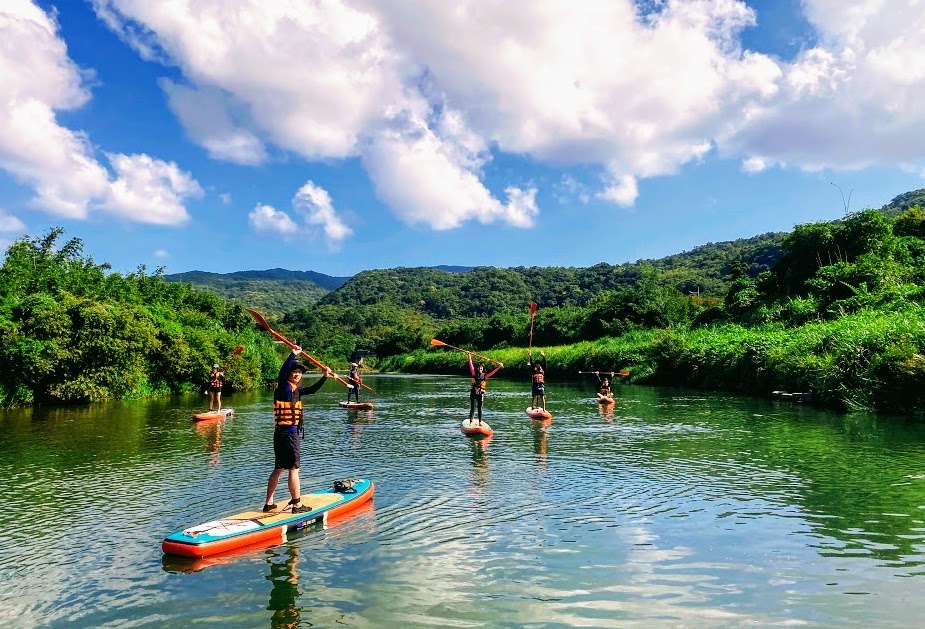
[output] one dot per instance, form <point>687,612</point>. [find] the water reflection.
<point>211,432</point>
<point>284,595</point>
<point>479,450</point>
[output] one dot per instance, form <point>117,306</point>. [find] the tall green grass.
<point>872,360</point>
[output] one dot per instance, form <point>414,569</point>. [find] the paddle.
<point>361,384</point>
<point>623,373</point>
<point>279,337</point>
<point>533,307</point>
<point>237,352</point>
<point>436,343</point>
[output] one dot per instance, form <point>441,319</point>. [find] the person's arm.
<point>494,371</point>
<point>543,360</point>
<point>471,366</point>
<point>316,385</point>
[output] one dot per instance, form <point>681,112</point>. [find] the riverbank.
<point>872,360</point>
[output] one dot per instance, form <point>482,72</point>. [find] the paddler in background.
<point>604,391</point>
<point>353,377</point>
<point>538,380</point>
<point>216,381</point>
<point>477,391</point>
<point>287,414</point>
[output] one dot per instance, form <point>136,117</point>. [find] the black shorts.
<point>539,389</point>
<point>287,448</point>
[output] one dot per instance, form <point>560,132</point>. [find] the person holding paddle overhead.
<point>216,382</point>
<point>604,391</point>
<point>538,380</point>
<point>477,392</point>
<point>287,415</point>
<point>353,377</point>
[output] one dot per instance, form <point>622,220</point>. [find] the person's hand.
<point>501,364</point>
<point>543,354</point>
<point>328,373</point>
<point>296,349</point>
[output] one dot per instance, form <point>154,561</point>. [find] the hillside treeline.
<point>841,315</point>
<point>72,331</point>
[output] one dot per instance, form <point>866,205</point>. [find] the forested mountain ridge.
<point>705,270</point>
<point>273,290</point>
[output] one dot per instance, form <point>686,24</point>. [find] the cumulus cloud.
<point>148,190</point>
<point>39,79</point>
<point>9,223</point>
<point>312,204</point>
<point>636,89</point>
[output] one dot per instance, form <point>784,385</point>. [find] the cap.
<point>354,365</point>
<point>215,366</point>
<point>296,365</point>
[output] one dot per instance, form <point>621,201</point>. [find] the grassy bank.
<point>870,360</point>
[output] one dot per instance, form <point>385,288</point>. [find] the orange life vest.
<point>288,413</point>
<point>538,377</point>
<point>215,379</point>
<point>479,382</point>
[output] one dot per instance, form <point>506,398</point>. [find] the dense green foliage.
<point>904,201</point>
<point>840,314</point>
<point>71,331</point>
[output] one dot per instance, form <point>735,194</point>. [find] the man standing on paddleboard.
<point>353,377</point>
<point>287,414</point>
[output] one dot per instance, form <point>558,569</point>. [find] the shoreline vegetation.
<point>835,309</point>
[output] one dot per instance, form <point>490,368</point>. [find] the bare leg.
<point>218,401</point>
<point>294,486</point>
<point>271,484</point>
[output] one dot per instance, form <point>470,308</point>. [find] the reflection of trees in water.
<point>285,579</point>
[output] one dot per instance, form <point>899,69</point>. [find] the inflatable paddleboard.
<point>604,400</point>
<point>474,428</point>
<point>357,406</point>
<point>535,412</point>
<point>220,414</point>
<point>254,526</point>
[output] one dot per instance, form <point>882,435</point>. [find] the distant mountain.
<point>904,201</point>
<point>326,282</point>
<point>273,291</point>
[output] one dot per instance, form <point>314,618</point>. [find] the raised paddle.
<point>436,343</point>
<point>533,307</point>
<point>623,373</point>
<point>237,352</point>
<point>279,337</point>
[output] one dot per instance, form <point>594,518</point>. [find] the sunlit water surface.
<point>674,508</point>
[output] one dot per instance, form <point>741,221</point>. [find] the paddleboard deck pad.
<point>474,428</point>
<point>534,412</point>
<point>253,526</point>
<point>219,414</point>
<point>357,406</point>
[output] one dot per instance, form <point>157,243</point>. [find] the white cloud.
<point>161,253</point>
<point>206,115</point>
<point>39,79</point>
<point>423,91</point>
<point>313,205</point>
<point>148,190</point>
<point>622,191</point>
<point>225,198</point>
<point>9,223</point>
<point>266,220</point>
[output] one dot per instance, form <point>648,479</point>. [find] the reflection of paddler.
<point>540,437</point>
<point>285,590</point>
<point>212,431</point>
<point>480,460</point>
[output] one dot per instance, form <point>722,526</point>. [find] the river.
<point>676,509</point>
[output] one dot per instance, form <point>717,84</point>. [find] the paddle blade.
<point>532,308</point>
<point>436,343</point>
<point>238,350</point>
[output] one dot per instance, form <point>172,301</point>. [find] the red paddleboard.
<point>603,400</point>
<point>357,406</point>
<point>475,428</point>
<point>535,412</point>
<point>220,414</point>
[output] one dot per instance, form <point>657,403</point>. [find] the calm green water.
<point>677,509</point>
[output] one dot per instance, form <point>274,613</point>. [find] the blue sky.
<point>338,136</point>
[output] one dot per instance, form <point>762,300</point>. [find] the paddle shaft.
<point>279,337</point>
<point>442,344</point>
